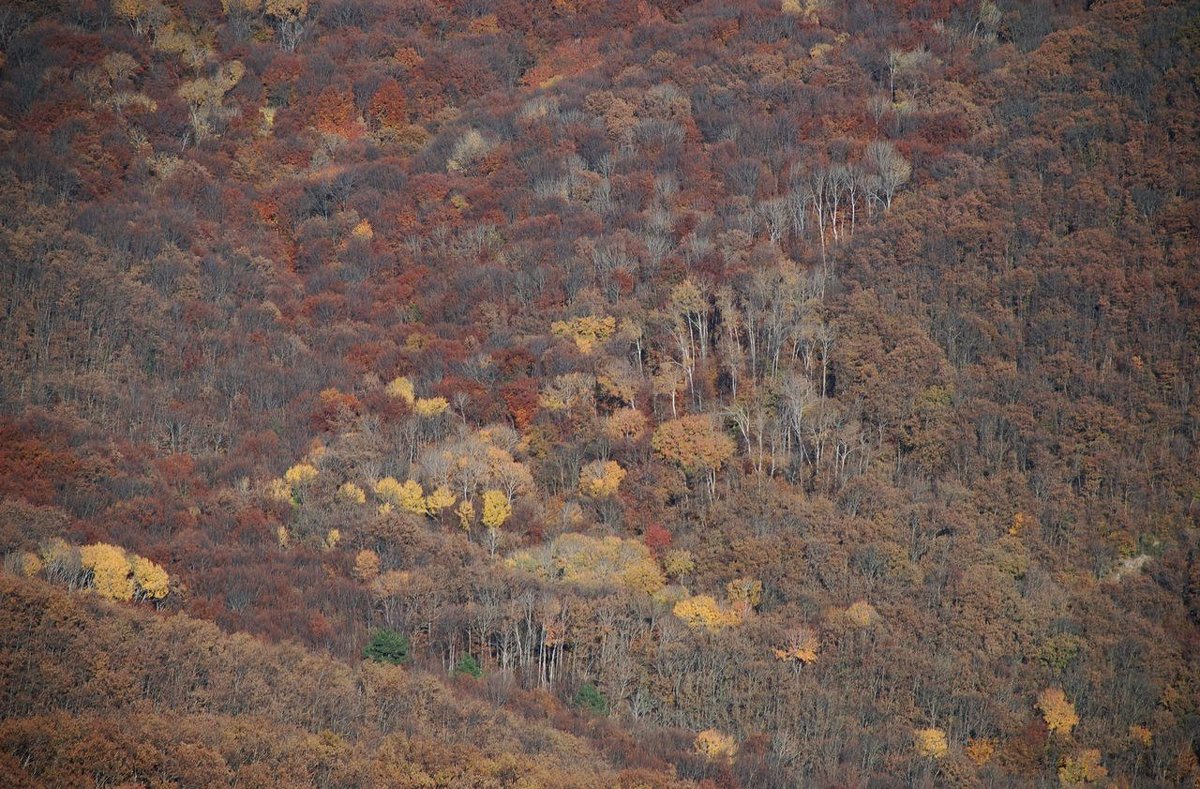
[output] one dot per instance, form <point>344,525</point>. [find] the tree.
<point>1058,713</point>
<point>110,569</point>
<point>467,664</point>
<point>696,444</point>
<point>388,646</point>
<point>1082,768</point>
<point>496,510</point>
<point>600,479</point>
<point>388,107</point>
<point>590,699</point>
<point>931,743</point>
<point>150,579</point>
<point>704,611</point>
<point>716,746</point>
<point>290,18</point>
<point>892,168</point>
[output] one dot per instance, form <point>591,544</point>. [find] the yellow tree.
<point>110,570</point>
<point>1057,711</point>
<point>439,499</point>
<point>351,493</point>
<point>402,389</point>
<point>600,479</point>
<point>695,444</point>
<point>931,743</point>
<point>704,611</point>
<point>466,514</point>
<point>1082,768</point>
<point>496,510</point>
<point>715,746</point>
<point>151,579</point>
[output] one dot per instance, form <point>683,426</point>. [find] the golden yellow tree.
<point>351,493</point>
<point>110,570</point>
<point>1057,711</point>
<point>1082,768</point>
<point>300,474</point>
<point>600,479</point>
<point>407,495</point>
<point>593,562</point>
<point>402,389</point>
<point>429,407</point>
<point>704,611</point>
<point>931,743</point>
<point>861,614</point>
<point>151,579</point>
<point>678,562</point>
<point>715,746</point>
<point>439,499</point>
<point>496,510</point>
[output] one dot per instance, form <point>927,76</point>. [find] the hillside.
<point>746,394</point>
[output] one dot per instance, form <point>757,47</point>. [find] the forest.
<point>600,393</point>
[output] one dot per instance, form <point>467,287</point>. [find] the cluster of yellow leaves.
<point>861,614</point>
<point>332,538</point>
<point>600,479</point>
<point>119,576</point>
<point>439,499</point>
<point>678,562</point>
<point>401,389</point>
<point>429,407</point>
<point>586,330</point>
<point>590,562</point>
<point>300,474</point>
<point>931,743</point>
<point>1141,735</point>
<point>1057,711</point>
<point>349,492</point>
<point>150,579</point>
<point>694,443</point>
<point>496,509</point>
<point>715,746</point>
<point>1082,768</point>
<point>801,647</point>
<point>363,231</point>
<point>111,571</point>
<point>407,495</point>
<point>704,611</point>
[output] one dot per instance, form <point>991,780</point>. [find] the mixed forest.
<point>599,393</point>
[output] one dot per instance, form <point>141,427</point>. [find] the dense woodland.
<point>599,393</point>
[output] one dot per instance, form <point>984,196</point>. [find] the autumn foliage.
<point>727,394</point>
